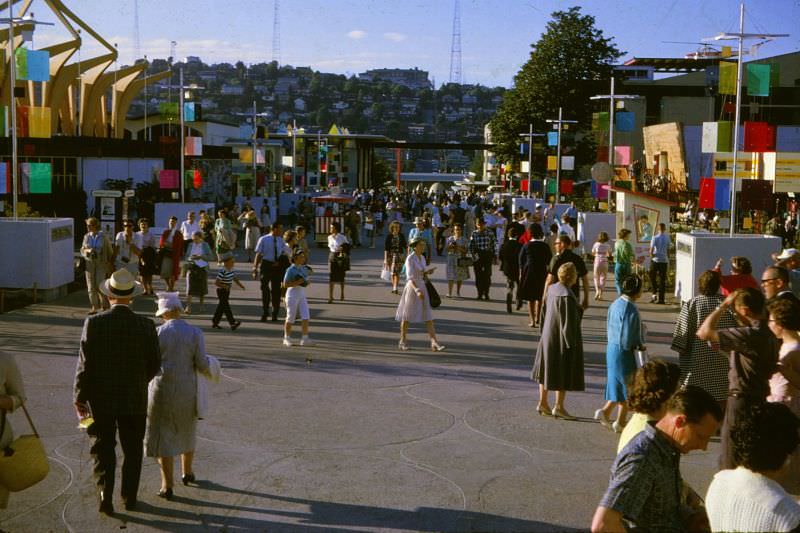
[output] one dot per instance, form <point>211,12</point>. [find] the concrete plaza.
<point>352,434</point>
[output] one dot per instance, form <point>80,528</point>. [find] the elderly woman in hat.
<point>172,396</point>
<point>422,232</point>
<point>415,305</point>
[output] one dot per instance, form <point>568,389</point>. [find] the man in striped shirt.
<point>226,277</point>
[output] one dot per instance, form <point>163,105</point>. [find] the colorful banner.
<point>758,76</point>
<point>552,163</point>
<point>552,138</point>
<point>774,74</point>
<point>22,120</point>
<point>188,112</point>
<point>781,167</point>
<point>193,146</point>
<point>600,121</point>
<point>717,137</point>
<point>246,156</point>
<point>194,177</point>
<point>169,179</point>
<point>33,65</point>
<point>40,178</point>
<point>715,194</point>
<point>566,186</point>
<point>622,155</point>
<point>567,162</point>
<point>598,191</point>
<point>168,110</point>
<point>625,121</point>
<point>727,77</point>
<point>3,121</point>
<point>759,137</point>
<point>5,182</point>
<point>39,122</point>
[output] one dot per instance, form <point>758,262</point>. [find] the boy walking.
<point>226,277</point>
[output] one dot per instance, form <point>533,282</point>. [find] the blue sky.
<point>350,36</point>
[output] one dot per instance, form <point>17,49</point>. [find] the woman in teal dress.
<point>624,332</point>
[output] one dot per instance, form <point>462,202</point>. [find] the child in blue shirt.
<point>295,280</point>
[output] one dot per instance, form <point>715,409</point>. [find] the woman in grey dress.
<point>456,246</point>
<point>559,356</point>
<point>172,395</point>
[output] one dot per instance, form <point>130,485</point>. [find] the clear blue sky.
<point>349,36</point>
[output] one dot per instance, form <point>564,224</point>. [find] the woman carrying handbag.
<point>415,304</point>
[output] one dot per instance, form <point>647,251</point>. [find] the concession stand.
<point>327,210</point>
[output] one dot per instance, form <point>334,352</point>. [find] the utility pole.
<point>740,37</point>
<point>612,98</point>
<point>182,139</point>
<point>530,135</point>
<point>558,125</point>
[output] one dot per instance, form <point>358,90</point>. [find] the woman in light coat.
<point>12,395</point>
<point>198,256</point>
<point>172,395</point>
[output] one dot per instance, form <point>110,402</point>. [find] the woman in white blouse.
<point>415,305</point>
<point>126,249</point>
<point>338,259</point>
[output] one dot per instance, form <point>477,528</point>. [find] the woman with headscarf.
<point>559,356</point>
<point>415,305</point>
<point>170,249</point>
<point>172,396</point>
<point>624,336</point>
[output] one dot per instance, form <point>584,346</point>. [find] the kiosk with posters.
<point>640,213</point>
<point>328,209</point>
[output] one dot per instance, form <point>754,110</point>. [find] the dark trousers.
<point>223,306</point>
<point>483,275</point>
<point>658,279</point>
<point>440,240</point>
<point>103,451</point>
<point>271,278</point>
<point>734,406</point>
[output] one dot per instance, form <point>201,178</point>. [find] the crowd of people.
<point>737,344</point>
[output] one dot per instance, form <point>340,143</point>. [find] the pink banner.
<point>622,155</point>
<point>168,179</point>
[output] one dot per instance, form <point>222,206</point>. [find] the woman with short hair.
<point>624,336</point>
<point>415,305</point>
<point>702,365</point>
<point>623,258</point>
<point>198,256</point>
<point>457,247</point>
<point>147,259</point>
<point>170,249</point>
<point>559,356</point>
<point>741,275</point>
<point>601,251</point>
<point>338,259</point>
<point>394,253</point>
<point>97,252</point>
<point>534,259</point>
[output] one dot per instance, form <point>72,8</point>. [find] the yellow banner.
<point>552,162</point>
<point>727,77</point>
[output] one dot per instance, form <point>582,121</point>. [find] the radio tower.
<point>455,46</point>
<point>137,43</point>
<point>276,33</point>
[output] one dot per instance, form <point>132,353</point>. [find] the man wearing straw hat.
<point>119,355</point>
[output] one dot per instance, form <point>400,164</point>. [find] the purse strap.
<point>28,416</point>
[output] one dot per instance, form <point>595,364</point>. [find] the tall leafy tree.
<point>568,64</point>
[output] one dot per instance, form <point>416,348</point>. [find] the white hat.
<point>121,284</point>
<point>787,253</point>
<point>168,301</point>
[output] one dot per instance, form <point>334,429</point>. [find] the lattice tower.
<point>455,45</point>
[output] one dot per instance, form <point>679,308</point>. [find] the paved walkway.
<point>350,435</point>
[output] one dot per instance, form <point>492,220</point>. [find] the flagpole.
<point>736,119</point>
<point>13,105</point>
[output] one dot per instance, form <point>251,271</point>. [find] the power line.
<point>455,45</point>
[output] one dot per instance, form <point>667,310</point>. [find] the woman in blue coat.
<point>624,330</point>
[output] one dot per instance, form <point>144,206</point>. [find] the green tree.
<point>568,64</point>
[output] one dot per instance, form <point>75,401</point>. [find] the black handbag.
<point>465,262</point>
<point>433,295</point>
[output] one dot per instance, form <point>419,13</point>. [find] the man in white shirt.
<point>189,227</point>
<point>272,258</point>
<point>565,229</point>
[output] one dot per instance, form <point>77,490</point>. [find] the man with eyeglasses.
<point>775,284</point>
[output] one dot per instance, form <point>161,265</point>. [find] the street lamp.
<point>255,115</point>
<point>530,135</point>
<point>558,123</point>
<point>27,35</point>
<point>181,88</point>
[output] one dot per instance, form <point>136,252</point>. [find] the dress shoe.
<point>263,318</point>
<point>402,346</point>
<point>562,414</point>
<point>188,478</point>
<point>130,505</point>
<point>508,304</point>
<point>166,494</point>
<point>274,318</point>
<point>436,347</point>
<point>235,325</point>
<point>216,326</point>
<point>106,506</point>
<point>519,305</point>
<point>601,417</point>
<point>616,427</point>
<point>544,412</point>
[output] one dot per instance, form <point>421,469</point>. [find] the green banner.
<point>41,178</point>
<point>724,136</point>
<point>168,110</point>
<point>758,76</point>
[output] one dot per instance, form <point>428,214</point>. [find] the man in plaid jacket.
<point>119,355</point>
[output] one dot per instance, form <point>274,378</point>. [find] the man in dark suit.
<point>272,259</point>
<point>119,355</point>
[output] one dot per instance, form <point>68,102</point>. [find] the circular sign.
<point>602,172</point>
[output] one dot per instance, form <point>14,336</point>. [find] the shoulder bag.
<point>433,295</point>
<point>23,463</point>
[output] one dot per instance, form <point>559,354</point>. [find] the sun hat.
<point>168,301</point>
<point>787,253</point>
<point>121,284</point>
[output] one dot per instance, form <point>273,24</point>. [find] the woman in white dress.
<point>415,305</point>
<point>172,397</point>
<point>126,249</point>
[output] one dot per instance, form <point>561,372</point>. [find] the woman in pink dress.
<point>784,386</point>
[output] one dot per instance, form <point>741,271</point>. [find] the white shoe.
<point>616,427</point>
<point>601,417</point>
<point>307,342</point>
<point>287,341</point>
<point>402,346</point>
